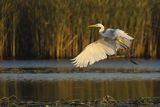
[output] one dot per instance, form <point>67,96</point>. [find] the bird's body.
<point>109,33</point>
<point>112,40</point>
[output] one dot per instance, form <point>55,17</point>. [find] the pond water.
<point>84,86</point>
<point>79,85</point>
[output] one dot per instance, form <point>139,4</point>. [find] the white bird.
<point>111,41</point>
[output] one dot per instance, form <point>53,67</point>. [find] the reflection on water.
<point>52,88</point>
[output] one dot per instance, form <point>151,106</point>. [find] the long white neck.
<point>101,28</point>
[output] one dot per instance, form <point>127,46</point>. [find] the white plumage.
<point>113,39</point>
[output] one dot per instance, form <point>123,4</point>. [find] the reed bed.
<point>43,29</point>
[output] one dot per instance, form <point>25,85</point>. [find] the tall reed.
<point>31,29</point>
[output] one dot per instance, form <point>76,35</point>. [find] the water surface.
<point>119,65</point>
<point>41,85</point>
<point>83,86</point>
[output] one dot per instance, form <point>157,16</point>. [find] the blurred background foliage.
<point>43,29</point>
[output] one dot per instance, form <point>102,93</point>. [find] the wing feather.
<point>123,40</point>
<point>94,52</point>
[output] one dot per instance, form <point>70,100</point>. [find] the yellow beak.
<point>92,26</point>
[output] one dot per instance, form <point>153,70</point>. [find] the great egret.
<point>111,41</point>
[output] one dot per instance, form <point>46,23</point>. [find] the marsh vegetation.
<point>58,28</point>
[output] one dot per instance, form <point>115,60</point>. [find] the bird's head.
<point>96,25</point>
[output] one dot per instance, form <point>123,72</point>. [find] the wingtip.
<point>131,38</point>
<point>73,59</point>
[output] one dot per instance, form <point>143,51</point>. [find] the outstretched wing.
<point>123,40</point>
<point>114,39</point>
<point>94,52</point>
